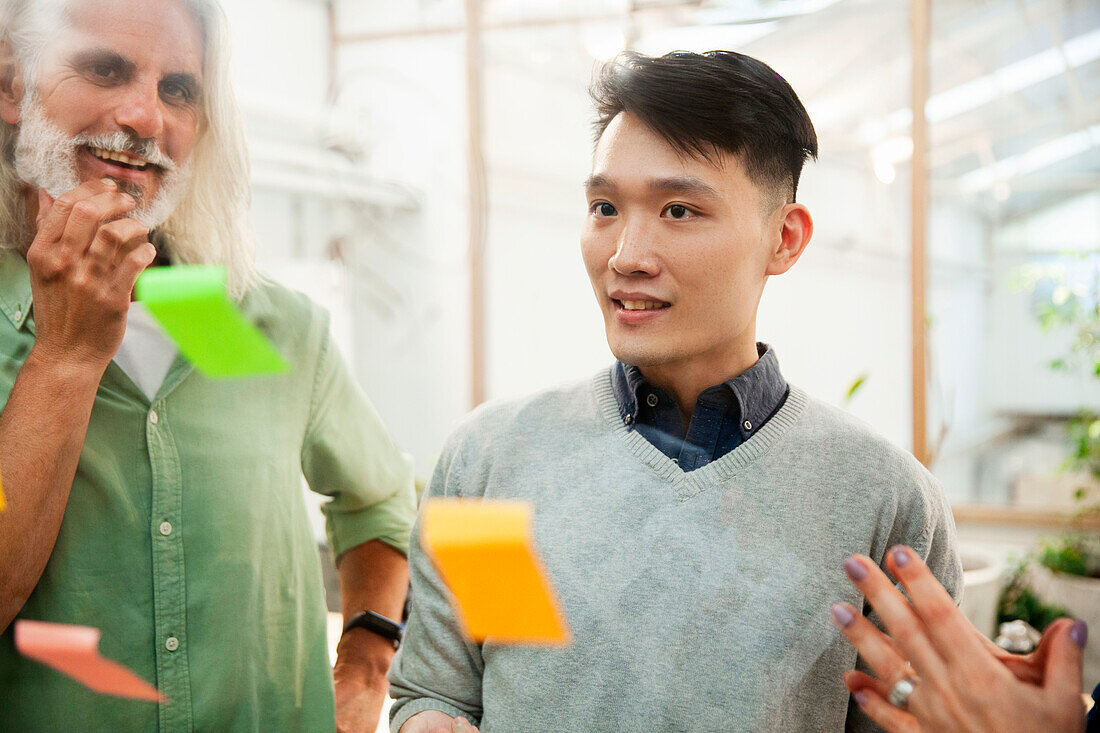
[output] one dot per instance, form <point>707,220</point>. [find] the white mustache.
<point>121,142</point>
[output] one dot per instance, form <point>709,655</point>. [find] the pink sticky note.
<point>74,651</point>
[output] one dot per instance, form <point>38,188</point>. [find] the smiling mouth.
<point>642,305</point>
<point>120,159</point>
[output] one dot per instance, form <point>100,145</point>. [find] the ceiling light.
<point>885,172</point>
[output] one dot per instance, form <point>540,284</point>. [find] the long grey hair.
<point>210,225</point>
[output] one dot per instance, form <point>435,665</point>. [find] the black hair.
<point>719,101</point>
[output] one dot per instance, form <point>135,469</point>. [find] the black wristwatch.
<point>376,623</point>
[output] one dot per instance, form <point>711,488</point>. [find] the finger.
<point>947,626</point>
<point>891,719</point>
<point>90,214</point>
<point>855,681</point>
<point>1023,668</point>
<point>1064,660</point>
<point>115,239</point>
<point>52,224</point>
<point>133,264</point>
<point>1031,668</point>
<point>45,203</point>
<point>874,646</point>
<point>901,621</point>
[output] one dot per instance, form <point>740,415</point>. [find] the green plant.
<point>1061,302</point>
<point>1068,305</point>
<point>1019,601</point>
<point>1072,554</point>
<point>1084,438</point>
<point>1062,305</point>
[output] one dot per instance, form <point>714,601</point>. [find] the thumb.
<point>45,203</point>
<point>1065,658</point>
<point>1032,667</point>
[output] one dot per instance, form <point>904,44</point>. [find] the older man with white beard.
<point>144,499</point>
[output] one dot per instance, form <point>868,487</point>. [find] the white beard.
<point>46,157</point>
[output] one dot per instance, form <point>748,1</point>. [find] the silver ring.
<point>899,696</point>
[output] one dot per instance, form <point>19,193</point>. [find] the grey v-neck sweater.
<point>697,601</point>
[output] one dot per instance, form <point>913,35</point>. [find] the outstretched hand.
<point>961,680</point>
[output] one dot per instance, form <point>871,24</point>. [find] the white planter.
<point>983,578</point>
<point>1082,597</point>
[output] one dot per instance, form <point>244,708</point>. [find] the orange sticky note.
<point>484,552</point>
<point>74,651</point>
<point>1,497</point>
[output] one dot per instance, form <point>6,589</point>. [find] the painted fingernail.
<point>855,569</point>
<point>1079,633</point>
<point>861,697</point>
<point>841,615</point>
<point>900,555</point>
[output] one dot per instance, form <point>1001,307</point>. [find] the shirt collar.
<point>758,391</point>
<point>15,287</point>
<point>625,393</point>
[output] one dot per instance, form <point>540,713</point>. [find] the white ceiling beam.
<point>1041,156</point>
<point>1010,79</point>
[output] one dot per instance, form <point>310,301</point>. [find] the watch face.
<point>376,624</point>
<point>384,626</point>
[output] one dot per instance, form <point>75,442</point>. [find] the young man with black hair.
<point>693,509</point>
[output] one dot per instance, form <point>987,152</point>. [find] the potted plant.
<point>1064,572</point>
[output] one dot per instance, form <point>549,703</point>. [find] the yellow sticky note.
<point>484,552</point>
<point>1,496</point>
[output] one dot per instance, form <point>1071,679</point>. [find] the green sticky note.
<point>191,303</point>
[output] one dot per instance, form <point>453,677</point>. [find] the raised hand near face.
<point>84,260</point>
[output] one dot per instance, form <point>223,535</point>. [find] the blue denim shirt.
<point>725,415</point>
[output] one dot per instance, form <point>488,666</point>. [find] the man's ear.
<point>11,84</point>
<point>796,226</point>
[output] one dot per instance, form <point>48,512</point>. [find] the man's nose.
<point>140,111</point>
<point>634,254</point>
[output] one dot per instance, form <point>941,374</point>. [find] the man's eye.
<point>604,209</point>
<point>175,91</point>
<point>677,211</point>
<point>105,71</point>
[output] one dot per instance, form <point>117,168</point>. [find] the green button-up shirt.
<point>186,540</point>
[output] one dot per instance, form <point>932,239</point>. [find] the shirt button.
<point>651,400</point>
<point>19,315</point>
<point>747,425</point>
<point>166,528</point>
<point>172,644</point>
<point>629,419</point>
<point>153,417</point>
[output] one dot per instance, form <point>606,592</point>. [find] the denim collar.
<point>756,392</point>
